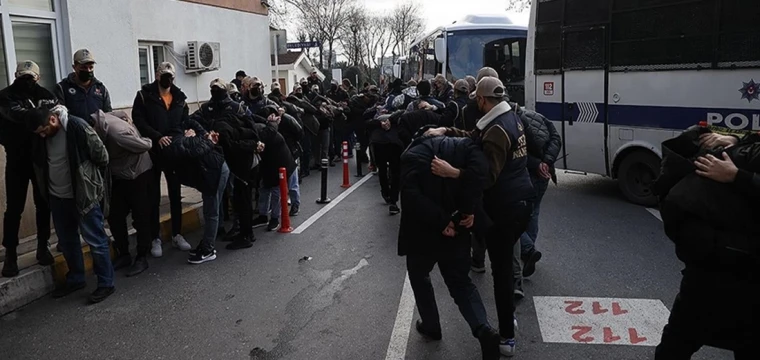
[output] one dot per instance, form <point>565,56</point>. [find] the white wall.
<point>111,29</point>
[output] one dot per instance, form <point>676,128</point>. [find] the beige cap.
<point>462,86</point>
<point>373,88</point>
<point>83,56</point>
<point>489,86</point>
<point>471,82</point>
<point>218,83</point>
<point>487,71</point>
<point>28,67</point>
<point>440,78</point>
<point>276,86</point>
<point>166,68</point>
<point>411,83</point>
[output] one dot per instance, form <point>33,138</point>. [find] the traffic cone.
<point>284,213</point>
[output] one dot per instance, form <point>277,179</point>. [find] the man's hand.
<point>260,147</point>
<point>385,124</point>
<point>273,118</point>
<point>711,140</point>
<point>214,137</point>
<point>165,141</point>
<point>543,171</point>
<point>436,132</point>
<point>443,169</point>
<point>722,171</point>
<point>280,111</point>
<point>467,221</point>
<point>189,133</point>
<point>424,105</point>
<point>449,231</point>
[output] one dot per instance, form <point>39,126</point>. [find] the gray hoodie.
<point>127,149</point>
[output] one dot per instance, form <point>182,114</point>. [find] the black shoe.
<point>122,261</point>
<point>58,248</point>
<point>140,265</point>
<point>387,199</point>
<point>489,343</point>
<point>67,289</point>
<point>101,293</point>
<point>201,256</point>
<point>294,210</point>
<point>432,335</point>
<point>231,235</point>
<point>259,222</point>
<point>530,261</point>
<point>10,267</point>
<point>44,257</point>
<point>274,224</point>
<point>241,242</point>
<point>518,290</point>
<point>393,209</point>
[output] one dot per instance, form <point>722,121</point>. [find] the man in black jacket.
<point>158,109</point>
<point>276,155</point>
<point>339,129</point>
<point>293,133</point>
<point>438,215</point>
<point>387,148</point>
<point>310,126</point>
<point>15,102</point>
<point>81,92</point>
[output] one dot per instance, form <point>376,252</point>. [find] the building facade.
<point>128,39</point>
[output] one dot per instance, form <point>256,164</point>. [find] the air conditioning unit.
<point>202,56</point>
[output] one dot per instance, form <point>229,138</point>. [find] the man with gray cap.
<point>81,92</point>
<point>509,192</point>
<point>16,101</point>
<point>453,114</point>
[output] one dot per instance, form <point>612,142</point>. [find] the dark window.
<point>739,40</point>
<point>638,4</point>
<point>584,50</point>
<point>549,35</point>
<point>549,11</point>
<point>583,12</point>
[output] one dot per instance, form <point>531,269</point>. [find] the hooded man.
<point>444,92</point>
<point>276,95</point>
<point>16,103</point>
<point>348,88</point>
<point>81,92</point>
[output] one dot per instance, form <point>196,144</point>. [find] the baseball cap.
<point>411,83</point>
<point>487,71</point>
<point>240,73</point>
<point>166,68</point>
<point>462,85</point>
<point>489,86</point>
<point>276,86</point>
<point>218,83</point>
<point>83,56</point>
<point>373,88</point>
<point>28,67</point>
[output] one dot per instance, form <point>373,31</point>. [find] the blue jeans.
<point>68,222</point>
<point>294,189</point>
<point>269,199</point>
<point>211,206</point>
<point>529,237</point>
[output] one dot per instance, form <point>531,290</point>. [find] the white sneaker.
<point>508,347</point>
<point>156,250</point>
<point>179,242</point>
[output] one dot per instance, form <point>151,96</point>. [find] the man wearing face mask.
<point>158,108</point>
<point>310,121</point>
<point>81,92</point>
<point>253,95</point>
<point>16,101</point>
<point>221,106</point>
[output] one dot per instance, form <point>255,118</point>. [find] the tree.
<point>518,5</point>
<point>406,25</point>
<point>324,19</point>
<point>351,36</point>
<point>377,41</point>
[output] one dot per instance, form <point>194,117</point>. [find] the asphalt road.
<point>341,301</point>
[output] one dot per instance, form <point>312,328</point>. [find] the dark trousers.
<point>388,162</point>
<point>306,141</point>
<point>242,200</point>
<point>510,221</point>
<point>699,317</point>
<point>131,196</point>
<point>175,199</point>
<point>453,261</point>
<point>363,138</point>
<point>18,173</point>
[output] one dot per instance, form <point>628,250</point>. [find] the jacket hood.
<point>497,110</point>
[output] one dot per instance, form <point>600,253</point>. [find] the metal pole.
<point>276,53</point>
<point>323,198</point>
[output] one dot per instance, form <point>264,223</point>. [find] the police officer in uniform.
<point>81,92</point>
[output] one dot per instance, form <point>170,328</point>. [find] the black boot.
<point>430,334</point>
<point>10,267</point>
<point>489,342</point>
<point>140,265</point>
<point>241,242</point>
<point>44,257</point>
<point>122,261</point>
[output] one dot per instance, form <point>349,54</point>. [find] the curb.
<point>37,281</point>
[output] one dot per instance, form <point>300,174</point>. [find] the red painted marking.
<point>609,337</point>
<point>634,335</point>
<point>597,308</point>
<point>617,310</point>
<point>573,307</point>
<point>580,331</point>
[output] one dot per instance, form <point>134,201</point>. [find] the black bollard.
<point>323,199</point>
<point>358,158</point>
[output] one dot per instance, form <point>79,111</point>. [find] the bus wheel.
<point>638,171</point>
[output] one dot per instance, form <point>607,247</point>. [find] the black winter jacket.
<point>544,142</point>
<point>212,111</point>
<point>429,201</point>
<point>196,161</point>
<point>151,117</point>
<point>15,104</point>
<point>413,121</point>
<point>239,144</point>
<point>378,135</point>
<point>309,116</point>
<point>83,102</point>
<point>276,154</point>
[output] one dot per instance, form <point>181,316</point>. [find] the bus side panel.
<point>584,125</point>
<point>548,102</point>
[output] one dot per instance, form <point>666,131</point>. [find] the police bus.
<point>465,46</point>
<point>620,76</point>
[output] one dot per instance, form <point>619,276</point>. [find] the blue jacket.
<point>82,102</point>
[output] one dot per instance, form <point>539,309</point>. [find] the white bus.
<point>465,46</point>
<point>620,76</point>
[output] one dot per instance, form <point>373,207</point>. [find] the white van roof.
<point>492,21</point>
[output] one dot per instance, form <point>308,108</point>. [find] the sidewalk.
<point>35,281</point>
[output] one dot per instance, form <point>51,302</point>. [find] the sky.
<point>442,12</point>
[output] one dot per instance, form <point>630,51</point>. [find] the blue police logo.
<point>28,65</point>
<point>750,90</point>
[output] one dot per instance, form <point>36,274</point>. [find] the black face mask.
<point>334,87</point>
<point>26,83</point>
<point>255,92</point>
<point>166,81</point>
<point>305,88</point>
<point>218,94</point>
<point>299,95</point>
<point>85,75</point>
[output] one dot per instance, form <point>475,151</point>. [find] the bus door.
<point>584,94</point>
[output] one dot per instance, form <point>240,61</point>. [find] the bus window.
<point>470,50</point>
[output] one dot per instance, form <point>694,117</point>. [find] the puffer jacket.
<point>196,161</point>
<point>309,116</point>
<point>83,102</point>
<point>712,224</point>
<point>276,154</point>
<point>544,142</point>
<point>429,201</point>
<point>239,144</point>
<point>88,160</point>
<point>378,135</point>
<point>413,121</point>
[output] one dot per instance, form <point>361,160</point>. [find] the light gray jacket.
<point>127,149</point>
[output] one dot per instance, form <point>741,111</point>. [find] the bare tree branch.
<point>518,5</point>
<point>406,26</point>
<point>324,19</point>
